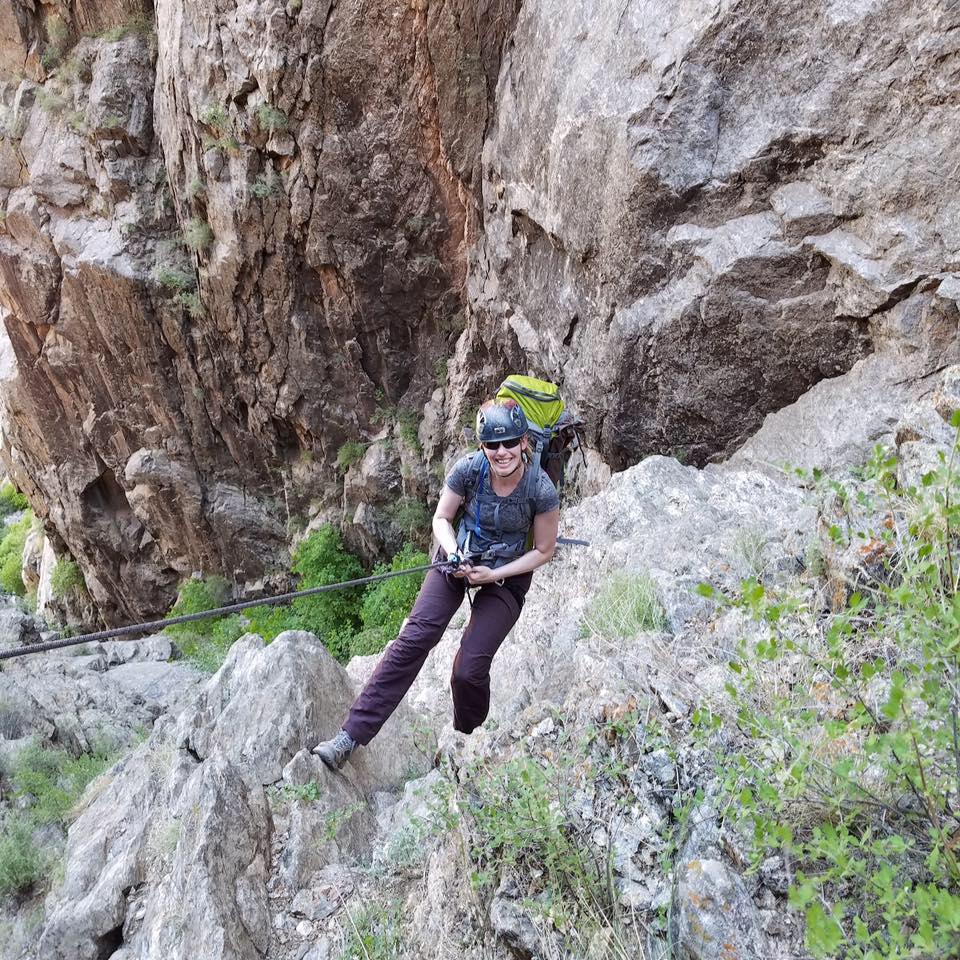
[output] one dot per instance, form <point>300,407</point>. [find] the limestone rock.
<point>218,871</point>
<point>18,628</point>
<point>32,559</point>
<point>266,703</point>
<point>511,922</point>
<point>190,843</point>
<point>715,916</point>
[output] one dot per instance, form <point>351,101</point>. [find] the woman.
<point>510,516</point>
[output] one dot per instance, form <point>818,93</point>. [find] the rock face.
<point>226,242</point>
<point>692,214</point>
<point>173,857</point>
<point>238,239</point>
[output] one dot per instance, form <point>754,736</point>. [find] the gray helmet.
<point>500,421</point>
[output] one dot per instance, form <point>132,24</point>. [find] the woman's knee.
<point>468,672</point>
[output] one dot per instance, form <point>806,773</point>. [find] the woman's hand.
<point>480,575</point>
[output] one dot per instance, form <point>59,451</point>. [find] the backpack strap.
<point>481,476</point>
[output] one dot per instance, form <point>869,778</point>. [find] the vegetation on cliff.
<point>350,622</point>
<point>846,710</point>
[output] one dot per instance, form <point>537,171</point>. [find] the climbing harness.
<point>138,628</point>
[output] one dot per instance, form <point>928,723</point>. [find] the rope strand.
<point>206,614</point>
<point>234,608</point>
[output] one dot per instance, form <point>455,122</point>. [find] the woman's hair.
<point>508,403</point>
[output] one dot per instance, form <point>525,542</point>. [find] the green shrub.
<point>270,118</point>
<point>386,604</point>
<point>367,642</point>
<point>204,642</point>
<point>11,500</point>
<point>22,864</point>
<point>350,453</point>
<point>191,302</point>
<point>523,827</point>
<point>521,821</point>
<point>66,578</point>
<point>334,617</point>
<point>376,933</point>
<point>413,517</point>
<point>623,608</point>
<point>11,577</point>
<point>139,24</point>
<point>58,31</point>
<point>11,554</point>
<point>215,115</point>
<point>54,780</point>
<point>50,782</point>
<point>175,279</point>
<point>50,101</point>
<point>846,768</point>
<point>197,234</point>
<point>266,185</point>
<point>50,57</point>
<point>228,144</point>
<point>409,423</point>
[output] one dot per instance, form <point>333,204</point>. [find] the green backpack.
<point>554,433</point>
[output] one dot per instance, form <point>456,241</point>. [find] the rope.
<point>231,608</point>
<point>207,614</point>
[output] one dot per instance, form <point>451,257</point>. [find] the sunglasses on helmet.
<point>496,444</point>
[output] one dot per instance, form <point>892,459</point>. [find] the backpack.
<point>554,432</point>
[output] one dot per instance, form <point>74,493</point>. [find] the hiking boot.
<point>336,752</point>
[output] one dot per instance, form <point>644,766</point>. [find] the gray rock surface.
<point>686,216</point>
<point>181,848</point>
<point>690,222</point>
<point>266,703</point>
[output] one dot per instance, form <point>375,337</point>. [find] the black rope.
<point>231,608</point>
<point>207,614</point>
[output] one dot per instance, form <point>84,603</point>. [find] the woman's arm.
<point>443,518</point>
<point>545,527</point>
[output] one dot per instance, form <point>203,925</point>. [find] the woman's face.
<point>505,460</point>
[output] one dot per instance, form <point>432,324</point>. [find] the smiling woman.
<point>509,512</point>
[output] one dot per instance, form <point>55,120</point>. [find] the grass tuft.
<point>66,578</point>
<point>197,234</point>
<point>349,454</point>
<point>271,119</point>
<point>624,607</point>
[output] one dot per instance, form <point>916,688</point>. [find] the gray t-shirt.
<point>504,522</point>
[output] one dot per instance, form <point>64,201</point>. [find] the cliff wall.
<point>236,239</point>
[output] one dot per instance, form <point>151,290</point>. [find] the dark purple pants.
<point>495,611</point>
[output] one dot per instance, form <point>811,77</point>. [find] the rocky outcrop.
<point>193,835</point>
<point>226,242</point>
<point>236,240</point>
